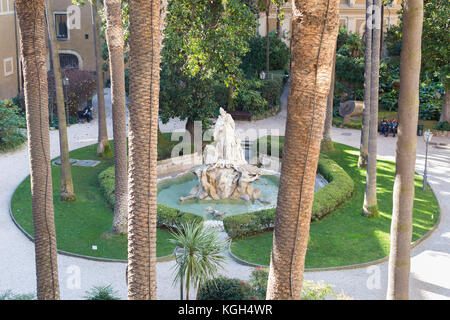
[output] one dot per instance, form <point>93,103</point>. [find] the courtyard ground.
<point>430,260</point>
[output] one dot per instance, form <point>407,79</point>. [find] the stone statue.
<point>225,174</point>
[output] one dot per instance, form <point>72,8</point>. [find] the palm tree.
<point>67,192</point>
<point>408,107</point>
<point>315,33</point>
<point>267,9</point>
<point>103,147</point>
<point>327,142</point>
<point>31,18</point>
<point>364,146</point>
<point>370,207</point>
<point>201,254</point>
<point>143,136</point>
<point>115,41</point>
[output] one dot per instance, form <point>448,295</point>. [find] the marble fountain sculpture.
<point>225,174</point>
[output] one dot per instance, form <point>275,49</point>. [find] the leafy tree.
<point>255,60</point>
<point>203,43</point>
<point>435,48</point>
<point>350,62</point>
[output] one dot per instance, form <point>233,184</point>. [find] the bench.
<point>241,115</point>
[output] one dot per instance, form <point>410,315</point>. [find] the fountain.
<point>225,184</point>
<point>225,173</point>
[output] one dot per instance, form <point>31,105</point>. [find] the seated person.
<point>392,127</point>
<point>86,113</point>
<point>383,126</point>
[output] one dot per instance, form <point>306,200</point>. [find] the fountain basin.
<point>171,189</point>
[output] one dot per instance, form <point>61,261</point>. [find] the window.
<point>68,61</point>
<point>8,66</point>
<point>62,32</point>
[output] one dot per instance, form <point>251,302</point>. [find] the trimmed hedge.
<point>339,188</point>
<point>166,216</point>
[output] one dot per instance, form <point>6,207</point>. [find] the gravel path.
<point>430,260</point>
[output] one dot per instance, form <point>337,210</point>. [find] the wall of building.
<point>80,41</point>
<point>9,77</point>
<point>351,15</point>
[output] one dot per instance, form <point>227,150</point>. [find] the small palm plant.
<point>200,254</point>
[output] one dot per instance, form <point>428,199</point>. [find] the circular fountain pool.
<point>170,191</point>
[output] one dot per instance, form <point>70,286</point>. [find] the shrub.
<point>101,293</point>
<point>443,126</point>
<point>310,290</point>
<point>234,289</point>
<point>80,90</point>
<point>246,224</point>
<point>10,123</point>
<point>257,96</point>
<point>9,295</point>
<point>222,288</point>
<point>339,188</point>
<point>255,60</point>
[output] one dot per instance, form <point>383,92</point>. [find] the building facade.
<point>74,32</point>
<point>352,16</point>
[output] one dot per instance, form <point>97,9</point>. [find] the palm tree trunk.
<point>115,41</point>
<point>103,147</point>
<point>315,35</point>
<point>278,23</point>
<point>364,145</point>
<point>31,18</point>
<point>370,207</point>
<point>408,107</point>
<point>445,113</point>
<point>382,30</point>
<point>144,103</point>
<point>67,192</point>
<point>327,142</point>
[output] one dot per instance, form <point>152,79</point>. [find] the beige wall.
<point>351,15</point>
<point>8,51</point>
<point>77,43</point>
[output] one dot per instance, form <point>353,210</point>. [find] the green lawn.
<point>339,121</point>
<point>86,222</point>
<point>346,237</point>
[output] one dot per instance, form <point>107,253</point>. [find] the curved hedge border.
<point>166,216</point>
<point>339,188</point>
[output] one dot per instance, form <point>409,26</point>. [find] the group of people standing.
<point>386,127</point>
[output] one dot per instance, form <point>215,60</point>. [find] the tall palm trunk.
<point>103,147</point>
<point>278,23</point>
<point>115,41</point>
<point>144,103</point>
<point>370,207</point>
<point>67,192</point>
<point>364,145</point>
<point>315,34</point>
<point>31,18</point>
<point>327,142</point>
<point>445,113</point>
<point>408,107</point>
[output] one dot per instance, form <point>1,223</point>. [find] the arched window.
<point>68,61</point>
